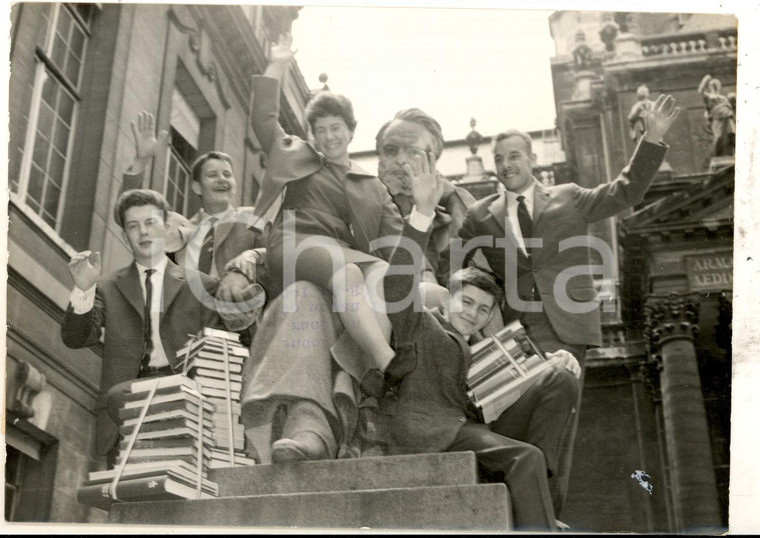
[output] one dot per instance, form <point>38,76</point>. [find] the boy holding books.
<point>147,309</point>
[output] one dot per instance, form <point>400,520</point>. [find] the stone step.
<point>480,507</point>
<point>446,469</point>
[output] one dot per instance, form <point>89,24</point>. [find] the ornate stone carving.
<point>637,117</point>
<point>670,316</point>
<point>29,382</point>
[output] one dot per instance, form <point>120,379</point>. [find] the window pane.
<point>77,42</point>
<point>61,136</point>
<point>59,52</point>
<point>52,195</point>
<point>45,122</point>
<point>85,11</point>
<point>34,189</point>
<point>49,91</point>
<point>66,108</point>
<point>41,150</point>
<point>72,70</point>
<point>55,172</point>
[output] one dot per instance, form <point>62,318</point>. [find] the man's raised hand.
<point>147,144</point>
<point>660,118</point>
<point>85,269</point>
<point>427,187</point>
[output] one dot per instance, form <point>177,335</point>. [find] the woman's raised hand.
<point>281,52</point>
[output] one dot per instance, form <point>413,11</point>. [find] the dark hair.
<point>138,197</point>
<point>415,115</point>
<point>514,132</point>
<point>480,279</point>
<point>327,103</point>
<point>200,161</point>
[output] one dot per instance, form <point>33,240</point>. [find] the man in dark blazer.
<point>548,283</point>
<point>553,277</point>
<point>117,303</point>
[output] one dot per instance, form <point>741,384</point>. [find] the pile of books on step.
<point>164,448</point>
<point>214,359</point>
<point>503,367</point>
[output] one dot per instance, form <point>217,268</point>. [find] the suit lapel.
<point>540,201</point>
<point>173,282</point>
<point>128,283</point>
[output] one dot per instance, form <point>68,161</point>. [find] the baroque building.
<point>80,73</point>
<point>652,450</point>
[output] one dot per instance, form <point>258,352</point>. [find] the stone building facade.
<point>80,73</point>
<point>657,395</point>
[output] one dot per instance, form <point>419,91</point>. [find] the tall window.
<point>185,137</point>
<point>52,119</point>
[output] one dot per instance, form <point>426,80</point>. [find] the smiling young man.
<point>147,309</point>
<point>428,410</point>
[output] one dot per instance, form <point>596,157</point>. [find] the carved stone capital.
<point>670,316</point>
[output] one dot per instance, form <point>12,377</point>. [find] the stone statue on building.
<point>609,31</point>
<point>581,52</point>
<point>474,138</point>
<point>637,117</point>
<point>720,116</point>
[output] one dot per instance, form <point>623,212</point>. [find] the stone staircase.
<point>416,492</point>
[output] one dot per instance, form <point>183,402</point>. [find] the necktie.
<point>147,327</point>
<point>525,220</point>
<point>207,249</point>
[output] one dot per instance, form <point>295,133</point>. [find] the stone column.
<point>671,323</point>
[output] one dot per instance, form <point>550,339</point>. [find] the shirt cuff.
<point>420,222</point>
<point>82,301</point>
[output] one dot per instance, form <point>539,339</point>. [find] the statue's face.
<point>402,141</point>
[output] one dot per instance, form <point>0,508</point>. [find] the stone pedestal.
<point>583,80</point>
<point>627,47</point>
<point>475,170</point>
<point>671,322</point>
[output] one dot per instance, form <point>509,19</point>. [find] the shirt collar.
<point>221,216</point>
<point>528,193</point>
<point>160,267</point>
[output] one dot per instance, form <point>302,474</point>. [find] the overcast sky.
<point>491,64</point>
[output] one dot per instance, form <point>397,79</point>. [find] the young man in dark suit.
<point>147,309</point>
<point>530,229</point>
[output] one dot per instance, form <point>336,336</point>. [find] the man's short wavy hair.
<point>525,137</point>
<point>200,161</point>
<point>139,197</point>
<point>480,279</point>
<point>327,103</point>
<point>415,115</point>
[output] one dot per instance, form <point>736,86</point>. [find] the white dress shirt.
<point>83,301</point>
<point>512,205</point>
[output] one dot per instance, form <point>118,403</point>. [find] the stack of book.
<point>164,451</point>
<point>503,367</point>
<point>214,359</point>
